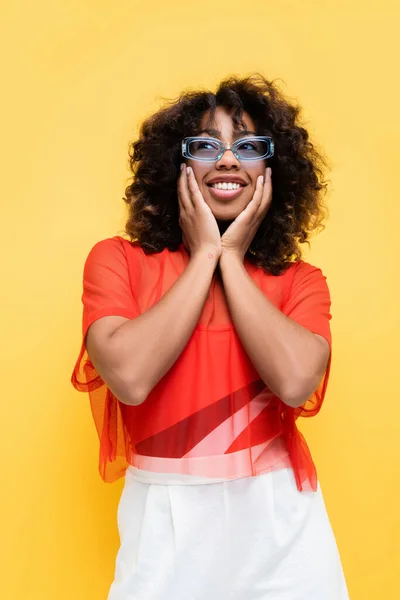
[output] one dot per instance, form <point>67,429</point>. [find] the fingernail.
<point>182,166</point>
<point>188,170</point>
<point>261,179</point>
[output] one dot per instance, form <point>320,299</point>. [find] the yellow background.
<point>78,77</point>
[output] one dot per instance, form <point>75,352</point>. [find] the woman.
<point>205,336</point>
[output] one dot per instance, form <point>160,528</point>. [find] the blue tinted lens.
<point>252,149</point>
<point>204,148</point>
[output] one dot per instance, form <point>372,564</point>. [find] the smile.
<point>225,191</point>
<point>226,186</point>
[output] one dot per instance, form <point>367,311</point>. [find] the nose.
<point>228,161</point>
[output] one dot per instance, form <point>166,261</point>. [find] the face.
<point>226,205</point>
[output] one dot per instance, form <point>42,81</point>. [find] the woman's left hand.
<point>238,237</point>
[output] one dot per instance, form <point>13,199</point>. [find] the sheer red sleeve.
<point>308,304</point>
<point>107,291</point>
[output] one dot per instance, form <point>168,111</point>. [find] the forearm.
<point>146,347</point>
<point>290,359</point>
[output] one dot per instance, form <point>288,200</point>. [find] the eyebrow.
<point>217,134</point>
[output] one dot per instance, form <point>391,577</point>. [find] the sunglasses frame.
<point>224,147</point>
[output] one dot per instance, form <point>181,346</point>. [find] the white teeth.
<point>226,186</point>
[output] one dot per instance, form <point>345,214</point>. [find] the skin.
<point>227,210</point>
<point>290,359</point>
<point>237,219</point>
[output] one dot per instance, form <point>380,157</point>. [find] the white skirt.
<point>254,538</point>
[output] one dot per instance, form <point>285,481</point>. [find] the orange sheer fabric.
<point>210,415</point>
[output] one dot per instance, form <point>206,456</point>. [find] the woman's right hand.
<point>199,227</point>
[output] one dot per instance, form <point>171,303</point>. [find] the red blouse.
<point>211,415</point>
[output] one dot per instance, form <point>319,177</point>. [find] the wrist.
<point>205,256</point>
<point>229,259</point>
<point>210,252</point>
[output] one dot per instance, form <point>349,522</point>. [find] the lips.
<point>229,186</point>
<point>225,194</point>
<point>227,179</point>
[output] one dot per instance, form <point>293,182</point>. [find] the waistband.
<point>269,456</point>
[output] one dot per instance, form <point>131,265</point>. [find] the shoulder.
<point>113,248</point>
<point>302,279</point>
<point>115,243</point>
<point>297,269</point>
<point>302,268</point>
<point>302,271</point>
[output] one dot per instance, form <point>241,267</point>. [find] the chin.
<point>226,210</point>
<point>225,217</point>
<point>226,213</point>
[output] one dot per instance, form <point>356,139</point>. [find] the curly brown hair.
<point>297,170</point>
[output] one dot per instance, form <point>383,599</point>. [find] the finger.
<point>258,194</point>
<point>267,192</point>
<point>183,190</point>
<point>195,194</point>
<point>254,205</point>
